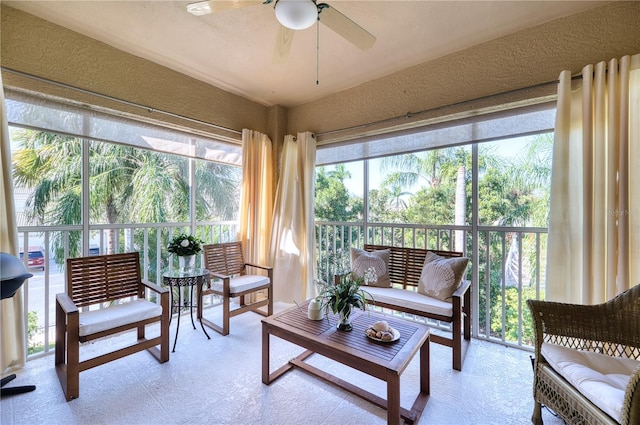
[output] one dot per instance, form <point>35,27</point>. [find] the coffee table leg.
<point>393,399</point>
<point>265,355</point>
<point>425,386</point>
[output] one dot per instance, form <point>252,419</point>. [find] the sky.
<point>507,148</point>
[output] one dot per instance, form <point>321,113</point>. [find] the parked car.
<point>35,260</point>
<point>94,250</point>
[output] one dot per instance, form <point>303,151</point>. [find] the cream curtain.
<point>256,198</point>
<point>12,328</point>
<point>293,221</point>
<point>594,223</point>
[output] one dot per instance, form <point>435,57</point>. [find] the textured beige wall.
<point>276,129</point>
<point>520,60</point>
<point>40,48</point>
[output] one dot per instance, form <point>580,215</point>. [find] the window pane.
<point>217,191</point>
<point>47,177</point>
<point>339,191</point>
<point>130,185</point>
<point>421,191</point>
<point>514,181</point>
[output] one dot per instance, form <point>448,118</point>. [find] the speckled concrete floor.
<point>218,381</point>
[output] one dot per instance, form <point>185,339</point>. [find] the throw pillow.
<point>361,260</point>
<point>441,276</point>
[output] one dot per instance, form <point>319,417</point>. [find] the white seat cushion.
<point>117,315</point>
<point>410,299</point>
<point>600,378</point>
<point>241,283</point>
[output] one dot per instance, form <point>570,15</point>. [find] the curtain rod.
<point>115,99</point>
<point>424,111</point>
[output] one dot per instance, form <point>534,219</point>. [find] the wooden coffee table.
<point>385,361</point>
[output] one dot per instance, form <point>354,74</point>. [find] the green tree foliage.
<point>432,206</point>
<point>332,199</point>
<point>511,315</point>
<point>386,207</point>
<point>32,329</point>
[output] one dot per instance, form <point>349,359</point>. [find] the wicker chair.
<point>611,328</point>
<point>103,281</point>
<point>229,279</point>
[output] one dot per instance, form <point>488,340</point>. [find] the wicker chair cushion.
<point>599,377</point>
<point>241,283</point>
<point>117,315</point>
<point>411,299</point>
<point>361,260</point>
<point>441,276</point>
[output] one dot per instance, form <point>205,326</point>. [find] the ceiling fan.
<point>295,15</point>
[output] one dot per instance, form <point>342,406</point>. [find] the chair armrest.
<point>152,286</point>
<point>631,405</point>
<point>613,324</point>
<point>462,289</point>
<point>66,303</point>
<point>569,320</point>
<point>269,269</point>
<point>259,266</point>
<point>218,276</point>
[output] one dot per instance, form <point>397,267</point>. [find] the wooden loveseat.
<point>587,360</point>
<point>404,268</point>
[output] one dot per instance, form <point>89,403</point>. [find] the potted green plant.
<point>185,247</point>
<point>345,294</point>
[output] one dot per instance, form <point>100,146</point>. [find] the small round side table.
<point>180,279</point>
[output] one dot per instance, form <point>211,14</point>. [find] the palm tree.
<point>396,202</point>
<point>438,167</point>
<point>126,185</point>
<point>435,167</point>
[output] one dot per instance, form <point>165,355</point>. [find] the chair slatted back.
<point>224,258</point>
<point>103,278</point>
<point>405,264</point>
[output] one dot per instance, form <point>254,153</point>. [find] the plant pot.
<point>186,262</point>
<point>345,322</point>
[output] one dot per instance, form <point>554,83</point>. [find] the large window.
<point>478,185</point>
<point>88,183</point>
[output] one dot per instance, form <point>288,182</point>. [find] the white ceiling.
<point>233,49</point>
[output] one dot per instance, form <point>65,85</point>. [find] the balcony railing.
<point>148,239</point>
<point>506,267</point>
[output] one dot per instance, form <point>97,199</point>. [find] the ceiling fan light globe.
<point>199,8</point>
<point>296,14</point>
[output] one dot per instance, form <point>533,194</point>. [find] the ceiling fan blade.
<point>283,44</point>
<point>212,6</point>
<point>344,26</point>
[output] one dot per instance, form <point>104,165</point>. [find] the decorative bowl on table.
<point>381,331</point>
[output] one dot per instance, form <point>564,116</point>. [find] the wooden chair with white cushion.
<point>106,295</point>
<point>230,278</point>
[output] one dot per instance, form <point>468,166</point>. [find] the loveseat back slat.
<point>405,264</point>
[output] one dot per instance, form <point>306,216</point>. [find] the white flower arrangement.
<point>184,244</point>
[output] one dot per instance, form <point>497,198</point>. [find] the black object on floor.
<point>14,390</point>
<point>12,276</point>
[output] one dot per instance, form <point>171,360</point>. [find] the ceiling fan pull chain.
<point>318,51</point>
